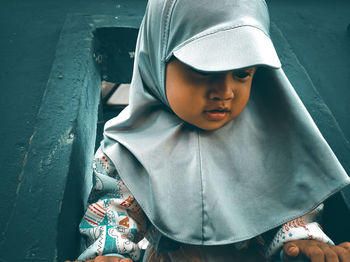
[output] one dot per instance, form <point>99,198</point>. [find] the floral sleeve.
<point>114,223</point>
<point>305,227</point>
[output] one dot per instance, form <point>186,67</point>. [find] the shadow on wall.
<point>114,52</point>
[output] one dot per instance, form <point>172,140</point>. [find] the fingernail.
<point>291,249</point>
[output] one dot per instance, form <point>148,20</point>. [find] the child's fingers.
<point>345,245</point>
<point>343,251</point>
<point>331,254</point>
<point>306,248</point>
<point>315,254</point>
<point>316,251</point>
<point>290,250</point>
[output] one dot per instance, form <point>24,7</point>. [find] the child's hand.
<point>316,251</point>
<point>105,259</point>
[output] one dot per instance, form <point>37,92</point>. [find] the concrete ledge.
<point>56,176</point>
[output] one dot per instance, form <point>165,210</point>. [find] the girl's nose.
<point>222,87</point>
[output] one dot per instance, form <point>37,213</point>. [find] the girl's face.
<point>207,101</point>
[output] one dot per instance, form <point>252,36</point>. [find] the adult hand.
<point>105,259</point>
<point>316,251</point>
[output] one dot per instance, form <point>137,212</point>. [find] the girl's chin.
<point>211,125</point>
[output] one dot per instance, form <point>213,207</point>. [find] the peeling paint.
<point>20,176</point>
<point>20,180</point>
<point>64,140</point>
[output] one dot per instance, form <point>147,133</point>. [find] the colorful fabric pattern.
<point>114,223</point>
<point>304,227</point>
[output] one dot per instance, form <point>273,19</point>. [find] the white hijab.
<point>268,166</point>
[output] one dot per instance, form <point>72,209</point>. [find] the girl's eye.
<point>241,74</point>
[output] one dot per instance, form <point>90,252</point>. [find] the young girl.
<point>215,158</point>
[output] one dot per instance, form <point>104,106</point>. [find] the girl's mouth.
<point>216,114</point>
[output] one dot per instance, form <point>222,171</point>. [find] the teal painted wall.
<point>318,35</point>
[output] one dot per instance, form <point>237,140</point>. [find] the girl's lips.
<point>216,114</point>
